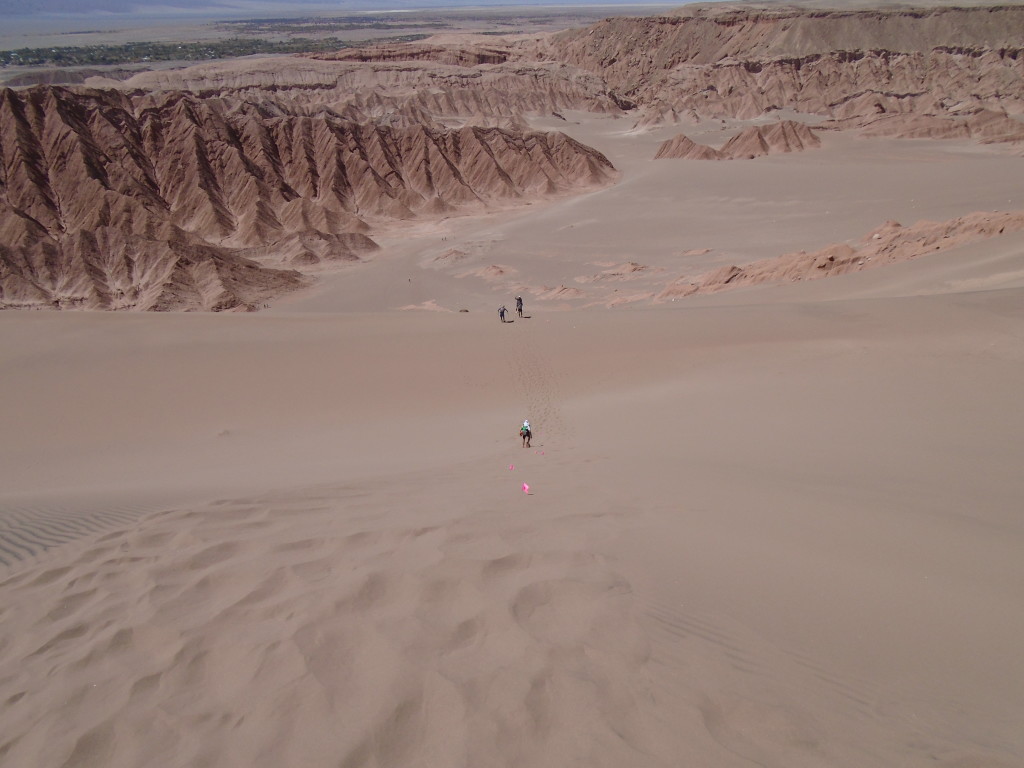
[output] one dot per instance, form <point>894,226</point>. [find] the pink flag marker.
<point>526,488</point>
<point>511,466</point>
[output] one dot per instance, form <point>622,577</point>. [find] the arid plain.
<point>774,497</point>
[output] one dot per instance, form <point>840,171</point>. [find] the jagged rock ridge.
<point>682,147</point>
<point>755,141</point>
<point>846,65</point>
<point>632,49</point>
<point>986,126</point>
<point>395,84</point>
<point>465,55</point>
<point>888,244</point>
<point>100,188</point>
<point>263,164</point>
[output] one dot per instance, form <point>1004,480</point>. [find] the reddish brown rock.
<point>683,148</point>
<point>785,136</point>
<point>845,65</point>
<point>887,244</point>
<point>182,202</point>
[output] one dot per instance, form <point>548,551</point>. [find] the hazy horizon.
<point>100,10</point>
<point>44,26</point>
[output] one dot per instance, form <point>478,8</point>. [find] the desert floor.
<point>779,526</point>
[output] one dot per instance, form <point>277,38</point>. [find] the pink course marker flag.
<point>511,466</point>
<point>526,488</point>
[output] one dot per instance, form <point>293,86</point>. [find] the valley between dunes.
<point>771,514</point>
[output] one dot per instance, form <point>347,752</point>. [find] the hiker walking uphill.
<point>501,312</point>
<point>526,433</point>
<point>519,305</point>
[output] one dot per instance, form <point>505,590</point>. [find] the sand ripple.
<point>314,629</point>
<point>27,531</point>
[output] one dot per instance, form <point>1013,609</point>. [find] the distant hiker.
<point>519,305</point>
<point>526,433</point>
<point>501,312</point>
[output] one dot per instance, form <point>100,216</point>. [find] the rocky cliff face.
<point>851,66</point>
<point>393,84</point>
<point>109,200</point>
<point>631,49</point>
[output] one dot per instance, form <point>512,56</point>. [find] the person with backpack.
<point>519,305</point>
<point>526,433</point>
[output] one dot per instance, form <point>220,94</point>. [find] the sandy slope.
<point>668,219</point>
<point>780,526</point>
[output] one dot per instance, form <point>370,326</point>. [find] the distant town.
<point>135,53</point>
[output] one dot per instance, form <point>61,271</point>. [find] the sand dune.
<point>774,525</point>
<point>509,630</point>
<point>799,546</point>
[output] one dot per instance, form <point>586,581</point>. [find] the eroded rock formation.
<point>887,244</point>
<point>209,187</point>
<point>682,147</point>
<point>846,65</point>
<point>755,141</point>
<point>105,194</point>
<point>391,84</point>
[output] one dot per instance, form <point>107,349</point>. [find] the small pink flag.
<point>526,488</point>
<point>511,467</point>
